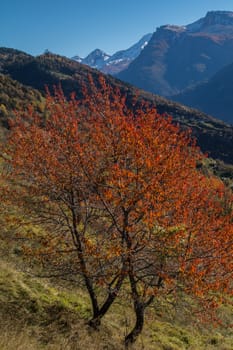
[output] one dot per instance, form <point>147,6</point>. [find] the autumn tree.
<point>174,233</point>
<point>121,198</point>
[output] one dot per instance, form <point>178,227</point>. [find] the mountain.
<point>77,59</point>
<point>118,61</point>
<point>177,57</point>
<point>121,59</point>
<point>96,59</point>
<point>213,136</point>
<point>214,96</point>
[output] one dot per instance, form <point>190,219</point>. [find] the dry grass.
<point>37,314</point>
<point>17,339</point>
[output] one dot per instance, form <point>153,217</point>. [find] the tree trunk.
<point>96,320</point>
<point>139,312</point>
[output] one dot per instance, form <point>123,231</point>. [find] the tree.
<point>122,200</point>
<point>169,218</point>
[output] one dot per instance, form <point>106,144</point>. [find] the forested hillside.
<point>214,136</point>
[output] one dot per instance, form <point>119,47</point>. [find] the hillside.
<point>214,96</point>
<point>38,314</point>
<point>42,315</point>
<point>50,70</point>
<point>14,96</point>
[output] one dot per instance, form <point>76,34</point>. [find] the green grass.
<point>36,314</point>
<point>48,316</point>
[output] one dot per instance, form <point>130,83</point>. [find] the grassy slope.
<point>41,314</point>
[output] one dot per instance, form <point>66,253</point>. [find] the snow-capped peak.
<point>96,59</point>
<point>77,58</point>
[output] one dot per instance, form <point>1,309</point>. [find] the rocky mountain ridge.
<point>178,57</point>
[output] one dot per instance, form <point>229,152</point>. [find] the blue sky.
<point>70,27</point>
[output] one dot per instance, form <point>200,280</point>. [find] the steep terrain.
<point>122,59</point>
<point>177,57</point>
<point>214,96</point>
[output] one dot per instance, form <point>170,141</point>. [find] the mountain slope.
<point>50,70</point>
<point>121,59</point>
<point>180,56</point>
<point>14,96</point>
<point>214,96</point>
